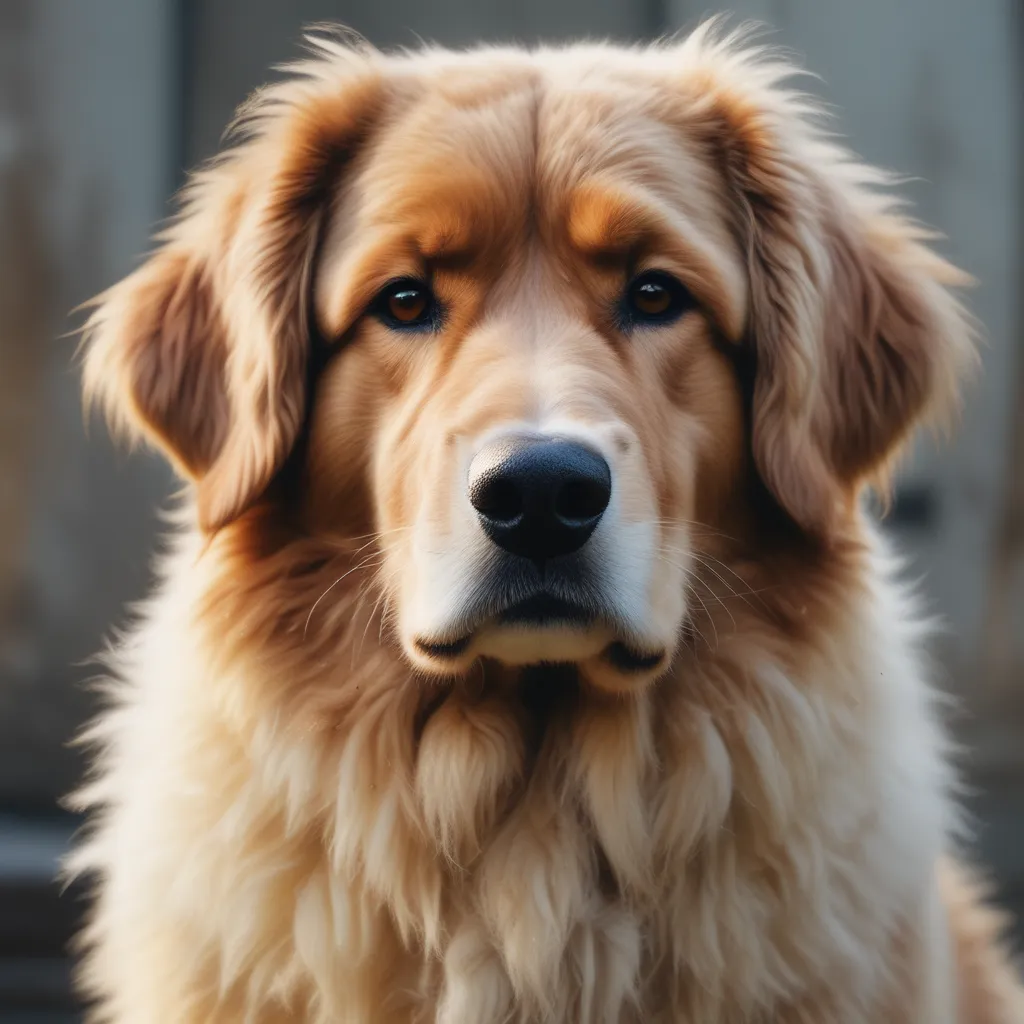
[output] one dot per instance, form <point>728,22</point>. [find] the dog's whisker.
<point>376,538</point>
<point>722,580</point>
<point>691,623</point>
<point>707,614</point>
<point>702,528</point>
<point>342,577</point>
<point>381,596</point>
<point>709,562</point>
<point>689,575</point>
<point>364,594</point>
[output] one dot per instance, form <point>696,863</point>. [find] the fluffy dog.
<point>524,652</point>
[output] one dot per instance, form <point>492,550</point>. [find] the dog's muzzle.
<point>539,497</point>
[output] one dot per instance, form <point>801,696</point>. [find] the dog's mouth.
<point>541,610</point>
<point>544,609</point>
<point>560,624</point>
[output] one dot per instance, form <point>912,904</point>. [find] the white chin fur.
<point>525,645</point>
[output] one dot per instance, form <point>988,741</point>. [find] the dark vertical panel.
<point>1002,638</point>
<point>237,41</point>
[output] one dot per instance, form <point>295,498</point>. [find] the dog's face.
<point>570,310</point>
<point>528,294</point>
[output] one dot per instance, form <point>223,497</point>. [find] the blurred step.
<point>31,846</point>
<point>33,986</point>
<point>37,921</point>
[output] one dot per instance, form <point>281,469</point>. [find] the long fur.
<point>289,822</point>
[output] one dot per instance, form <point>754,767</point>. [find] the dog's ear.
<point>854,334</point>
<point>203,350</point>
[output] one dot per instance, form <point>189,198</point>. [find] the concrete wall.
<point>85,104</point>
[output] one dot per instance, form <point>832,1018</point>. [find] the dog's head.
<point>544,325</point>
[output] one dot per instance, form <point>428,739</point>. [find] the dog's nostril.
<point>581,500</point>
<point>498,498</point>
<point>539,497</point>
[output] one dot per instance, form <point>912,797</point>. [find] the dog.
<point>524,650</point>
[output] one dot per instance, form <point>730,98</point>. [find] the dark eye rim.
<point>681,301</point>
<point>428,320</point>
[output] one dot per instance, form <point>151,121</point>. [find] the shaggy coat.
<point>327,787</point>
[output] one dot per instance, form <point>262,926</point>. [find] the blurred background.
<point>105,103</point>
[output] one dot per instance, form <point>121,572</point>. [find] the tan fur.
<point>298,814</point>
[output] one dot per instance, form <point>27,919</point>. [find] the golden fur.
<point>300,813</point>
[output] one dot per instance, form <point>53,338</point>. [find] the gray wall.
<point>85,104</point>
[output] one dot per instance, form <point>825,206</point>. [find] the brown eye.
<point>405,304</point>
<point>655,298</point>
<point>651,298</point>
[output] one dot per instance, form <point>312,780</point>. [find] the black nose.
<point>539,497</point>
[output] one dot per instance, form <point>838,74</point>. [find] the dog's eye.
<point>655,297</point>
<point>406,303</point>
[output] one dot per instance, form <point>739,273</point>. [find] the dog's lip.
<point>546,610</point>
<point>628,659</point>
<point>541,609</point>
<point>443,649</point>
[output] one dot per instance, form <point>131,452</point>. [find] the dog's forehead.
<point>520,133</point>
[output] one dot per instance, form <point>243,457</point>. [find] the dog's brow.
<point>444,234</point>
<point>605,221</point>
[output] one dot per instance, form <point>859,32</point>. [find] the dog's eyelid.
<point>398,296</point>
<point>687,276</point>
<point>654,298</point>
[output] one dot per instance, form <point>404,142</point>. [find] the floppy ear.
<point>854,334</point>
<point>203,350</point>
